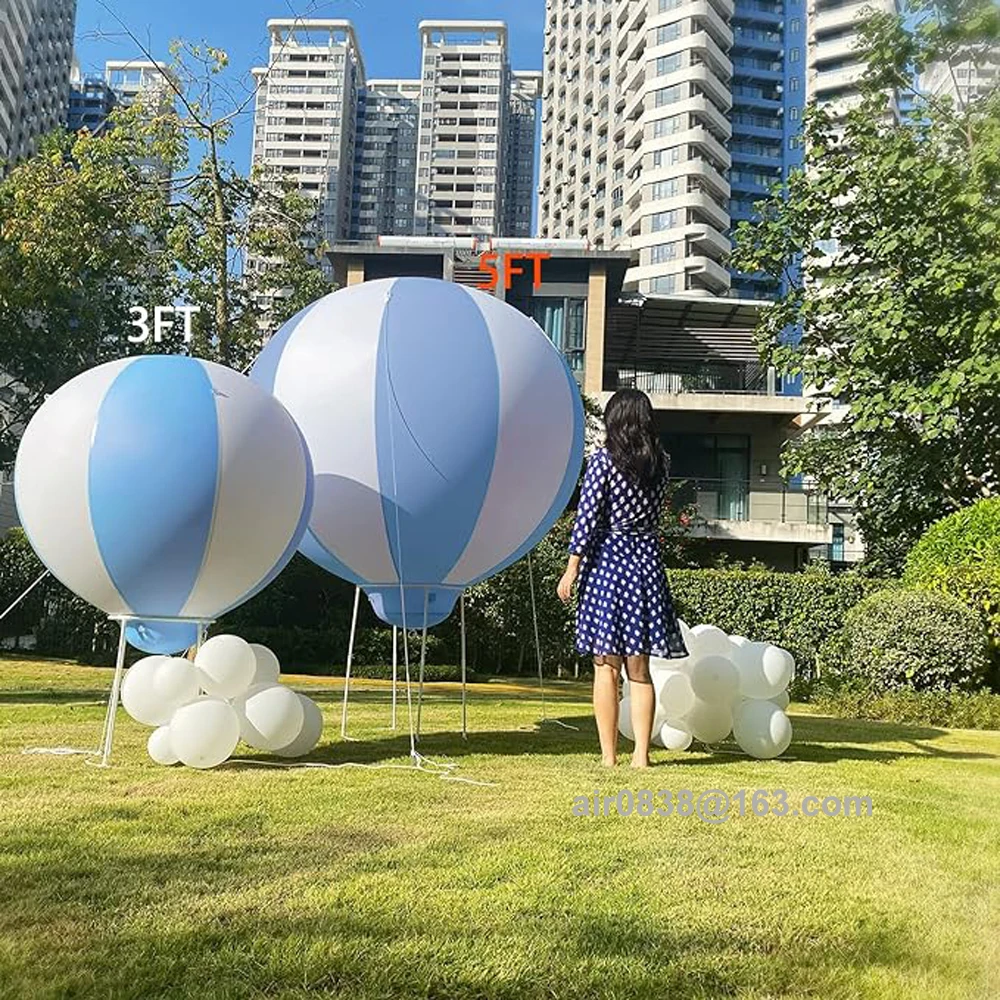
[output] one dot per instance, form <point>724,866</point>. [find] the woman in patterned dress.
<point>624,613</point>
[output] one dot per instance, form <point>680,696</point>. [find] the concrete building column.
<point>593,368</point>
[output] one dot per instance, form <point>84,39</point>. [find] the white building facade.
<point>36,56</point>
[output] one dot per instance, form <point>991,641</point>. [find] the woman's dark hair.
<point>631,439</point>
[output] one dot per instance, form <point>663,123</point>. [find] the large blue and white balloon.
<point>446,435</point>
<point>163,487</point>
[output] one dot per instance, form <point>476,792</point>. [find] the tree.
<point>147,212</point>
<point>82,240</point>
<point>897,224</point>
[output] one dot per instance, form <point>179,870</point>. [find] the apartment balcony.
<point>830,18</point>
<point>707,274</point>
<point>835,79</point>
<point>761,509</point>
<point>842,47</point>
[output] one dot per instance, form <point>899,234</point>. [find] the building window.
<point>564,322</point>
<point>794,55</point>
<point>793,84</point>
<point>837,545</point>
<point>793,114</point>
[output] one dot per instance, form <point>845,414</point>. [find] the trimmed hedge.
<point>956,709</point>
<point>915,639</point>
<point>799,611</point>
<point>960,555</point>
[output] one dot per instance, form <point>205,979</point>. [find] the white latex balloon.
<point>268,669</point>
<point>204,733</point>
<point>673,737</point>
<point>271,716</point>
<point>139,695</point>
<point>781,700</point>
<point>715,679</point>
<point>762,729</point>
<point>226,666</point>
<point>160,748</point>
<point>310,733</point>
<point>739,640</point>
<point>676,696</point>
<point>707,640</point>
<point>709,723</point>
<point>176,682</point>
<point>765,670</point>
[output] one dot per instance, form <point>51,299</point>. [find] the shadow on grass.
<point>817,740</point>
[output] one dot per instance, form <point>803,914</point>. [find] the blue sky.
<point>387,31</point>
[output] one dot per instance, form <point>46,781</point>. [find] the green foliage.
<point>798,611</point>
<point>897,229</point>
<point>147,212</point>
<point>960,555</point>
<point>957,709</point>
<point>82,230</point>
<point>903,638</point>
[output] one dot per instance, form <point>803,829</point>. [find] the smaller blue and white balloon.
<point>446,435</point>
<point>163,487</point>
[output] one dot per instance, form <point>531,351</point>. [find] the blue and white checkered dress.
<point>624,606</point>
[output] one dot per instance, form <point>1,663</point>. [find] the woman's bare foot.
<point>609,761</point>
<point>640,762</point>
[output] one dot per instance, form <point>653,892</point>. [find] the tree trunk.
<point>221,257</point>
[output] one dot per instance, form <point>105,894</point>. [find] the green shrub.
<point>915,639</point>
<point>798,611</point>
<point>957,709</point>
<point>960,555</point>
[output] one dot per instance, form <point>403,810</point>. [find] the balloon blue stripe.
<point>437,413</point>
<point>566,488</point>
<point>295,540</point>
<point>155,452</point>
<point>265,368</point>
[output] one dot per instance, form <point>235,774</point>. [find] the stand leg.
<point>350,657</point>
<point>395,671</point>
<point>423,663</point>
<point>465,730</point>
<point>116,688</point>
<point>538,641</point>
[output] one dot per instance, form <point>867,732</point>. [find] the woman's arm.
<point>588,513</point>
<point>565,588</point>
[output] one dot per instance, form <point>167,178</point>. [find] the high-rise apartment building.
<point>519,195</point>
<point>464,106</point>
<point>36,54</point>
<point>91,100</point>
<point>125,81</point>
<point>835,66</point>
<point>663,121</point>
<point>965,81</point>
<point>305,120</point>
<point>450,153</point>
<point>768,93</point>
<point>385,172</point>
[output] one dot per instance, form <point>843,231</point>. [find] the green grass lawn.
<point>245,882</point>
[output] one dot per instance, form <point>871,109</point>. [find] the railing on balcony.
<point>763,498</point>
<point>708,376</point>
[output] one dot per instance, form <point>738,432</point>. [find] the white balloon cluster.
<point>727,684</point>
<point>202,710</point>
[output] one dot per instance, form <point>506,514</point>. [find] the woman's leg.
<point>642,698</point>
<point>606,670</point>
